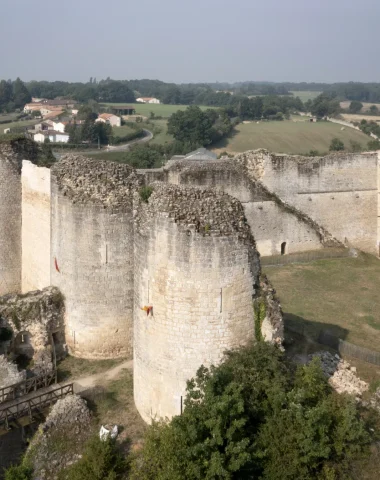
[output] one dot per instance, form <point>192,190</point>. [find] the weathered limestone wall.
<point>271,225</point>
<point>35,227</point>
<point>10,220</point>
<point>92,254</point>
<point>338,191</point>
<point>197,266</point>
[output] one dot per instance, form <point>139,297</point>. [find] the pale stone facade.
<point>92,255</point>
<point>200,281</point>
<point>35,227</point>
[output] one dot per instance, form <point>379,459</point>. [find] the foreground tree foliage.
<point>256,416</point>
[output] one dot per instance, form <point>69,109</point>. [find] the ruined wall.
<point>35,227</point>
<point>10,220</point>
<point>338,191</point>
<point>197,266</point>
<point>37,322</point>
<point>92,254</point>
<point>271,225</point>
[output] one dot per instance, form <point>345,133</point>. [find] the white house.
<point>59,127</point>
<point>52,135</point>
<point>109,118</point>
<point>147,100</point>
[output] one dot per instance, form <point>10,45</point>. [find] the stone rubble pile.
<point>342,376</point>
<point>60,439</point>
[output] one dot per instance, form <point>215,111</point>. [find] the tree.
<point>21,95</point>
<point>373,109</point>
<point>355,106</point>
<point>6,94</point>
<point>256,416</point>
<point>374,145</point>
<point>336,145</point>
<point>355,146</point>
<point>191,125</point>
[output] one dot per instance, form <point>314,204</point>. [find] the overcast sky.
<point>191,40</point>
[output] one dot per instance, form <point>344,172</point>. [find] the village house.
<point>109,118</point>
<point>52,135</point>
<point>147,100</point>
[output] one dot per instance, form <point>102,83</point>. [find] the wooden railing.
<point>27,386</point>
<point>12,410</point>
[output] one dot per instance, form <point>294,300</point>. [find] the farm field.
<point>21,123</point>
<point>305,95</point>
<point>289,136</point>
<point>351,117</point>
<point>365,108</point>
<point>340,295</point>
<point>159,109</point>
<point>122,131</point>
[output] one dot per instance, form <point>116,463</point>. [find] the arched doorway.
<point>283,248</point>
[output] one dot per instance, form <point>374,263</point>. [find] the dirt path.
<point>84,383</point>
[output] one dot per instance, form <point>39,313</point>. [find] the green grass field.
<point>25,123</point>
<point>306,95</point>
<point>297,137</point>
<point>159,110</point>
<point>122,131</point>
<point>341,295</point>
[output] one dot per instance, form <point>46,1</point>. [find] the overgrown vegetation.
<point>101,460</point>
<point>259,313</point>
<point>257,416</point>
<point>145,193</point>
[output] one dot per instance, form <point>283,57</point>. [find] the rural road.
<point>148,135</point>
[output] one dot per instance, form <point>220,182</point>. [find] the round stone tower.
<point>11,156</point>
<point>92,253</point>
<point>196,272</point>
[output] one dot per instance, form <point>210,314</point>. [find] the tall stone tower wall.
<point>92,254</point>
<point>10,220</point>
<point>200,280</point>
<point>35,227</point>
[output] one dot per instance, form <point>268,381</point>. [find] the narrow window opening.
<point>283,248</point>
<point>221,300</point>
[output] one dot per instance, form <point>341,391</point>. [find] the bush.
<point>257,416</point>
<point>336,145</point>
<point>145,193</point>
<point>100,461</point>
<point>374,145</point>
<point>19,472</point>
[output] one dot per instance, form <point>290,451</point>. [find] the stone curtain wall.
<point>200,285</point>
<point>35,227</point>
<point>270,224</point>
<point>92,254</point>
<point>10,220</point>
<point>338,191</point>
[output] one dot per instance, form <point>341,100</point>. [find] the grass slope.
<point>289,136</point>
<point>306,95</point>
<point>340,295</point>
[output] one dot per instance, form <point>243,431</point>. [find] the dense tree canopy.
<point>13,95</point>
<point>256,416</point>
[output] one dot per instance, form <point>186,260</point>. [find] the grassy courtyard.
<point>339,295</point>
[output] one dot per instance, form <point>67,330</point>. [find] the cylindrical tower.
<point>197,268</point>
<point>92,254</point>
<point>10,218</point>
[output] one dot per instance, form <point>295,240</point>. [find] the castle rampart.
<point>35,227</point>
<point>196,265</point>
<point>92,254</point>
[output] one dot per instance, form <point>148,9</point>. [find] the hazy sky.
<point>191,41</point>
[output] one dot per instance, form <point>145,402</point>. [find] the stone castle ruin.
<point>164,264</point>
